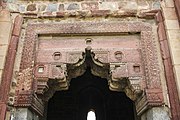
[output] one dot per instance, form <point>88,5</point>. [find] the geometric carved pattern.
<point>137,70</point>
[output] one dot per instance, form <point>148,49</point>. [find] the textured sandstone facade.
<point>156,22</point>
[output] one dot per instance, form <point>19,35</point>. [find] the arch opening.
<point>86,93</point>
<point>91,115</point>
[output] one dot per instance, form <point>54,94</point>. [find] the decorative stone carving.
<point>120,81</point>
<point>28,99</point>
<point>138,77</point>
<point>74,57</point>
<point>25,79</point>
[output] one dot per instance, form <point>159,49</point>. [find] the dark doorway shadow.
<point>90,92</point>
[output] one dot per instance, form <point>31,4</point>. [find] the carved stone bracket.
<point>120,81</point>
<point>44,73</point>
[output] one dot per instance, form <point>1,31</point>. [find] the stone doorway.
<point>123,53</point>
<point>88,92</point>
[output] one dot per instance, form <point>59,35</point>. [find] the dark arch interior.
<point>90,92</point>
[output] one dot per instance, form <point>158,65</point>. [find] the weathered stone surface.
<point>25,114</point>
<point>161,31</point>
<point>73,6</point>
<point>2,61</point>
<point>143,5</point>
<point>89,5</point>
<point>5,16</point>
<point>108,6</point>
<point>52,7</point>
<point>42,7</point>
<point>174,35</point>
<point>3,50</point>
<point>172,24</point>
<point>98,13</point>
<point>0,75</point>
<point>31,7</point>
<point>22,8</point>
<point>156,113</point>
<point>17,26</point>
<point>130,6</point>
<point>169,14</point>
<point>156,5</point>
<point>169,3</point>
<point>61,7</point>
<point>5,28</point>
<point>13,7</point>
<point>177,72</point>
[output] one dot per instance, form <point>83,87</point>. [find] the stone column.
<point>24,114</point>
<point>156,113</point>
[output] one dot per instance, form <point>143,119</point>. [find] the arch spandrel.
<point>133,69</point>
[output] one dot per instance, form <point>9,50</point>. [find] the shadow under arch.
<point>90,92</point>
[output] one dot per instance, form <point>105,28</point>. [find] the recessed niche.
<point>56,55</point>
<point>118,55</point>
<point>88,41</point>
<point>136,68</point>
<point>40,69</point>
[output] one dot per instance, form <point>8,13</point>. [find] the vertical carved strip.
<point>28,48</point>
<point>150,60</point>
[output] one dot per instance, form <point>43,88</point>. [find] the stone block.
<point>22,8</point>
<point>52,7</point>
<point>156,5</point>
<point>169,13</point>
<point>1,75</point>
<point>172,24</point>
<point>131,5</point>
<point>143,5</point>
<point>174,43</point>
<point>5,28</point>
<point>169,3</point>
<point>13,7</point>
<point>3,50</point>
<point>42,7</point>
<point>161,31</point>
<point>177,76</point>
<point>175,56</point>
<point>17,25</point>
<point>5,16</point>
<point>156,113</point>
<point>108,6</point>
<point>73,6</point>
<point>61,7</point>
<point>164,49</point>
<point>174,35</point>
<point>31,7</point>
<point>90,5</point>
<point>2,61</point>
<point>99,13</point>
